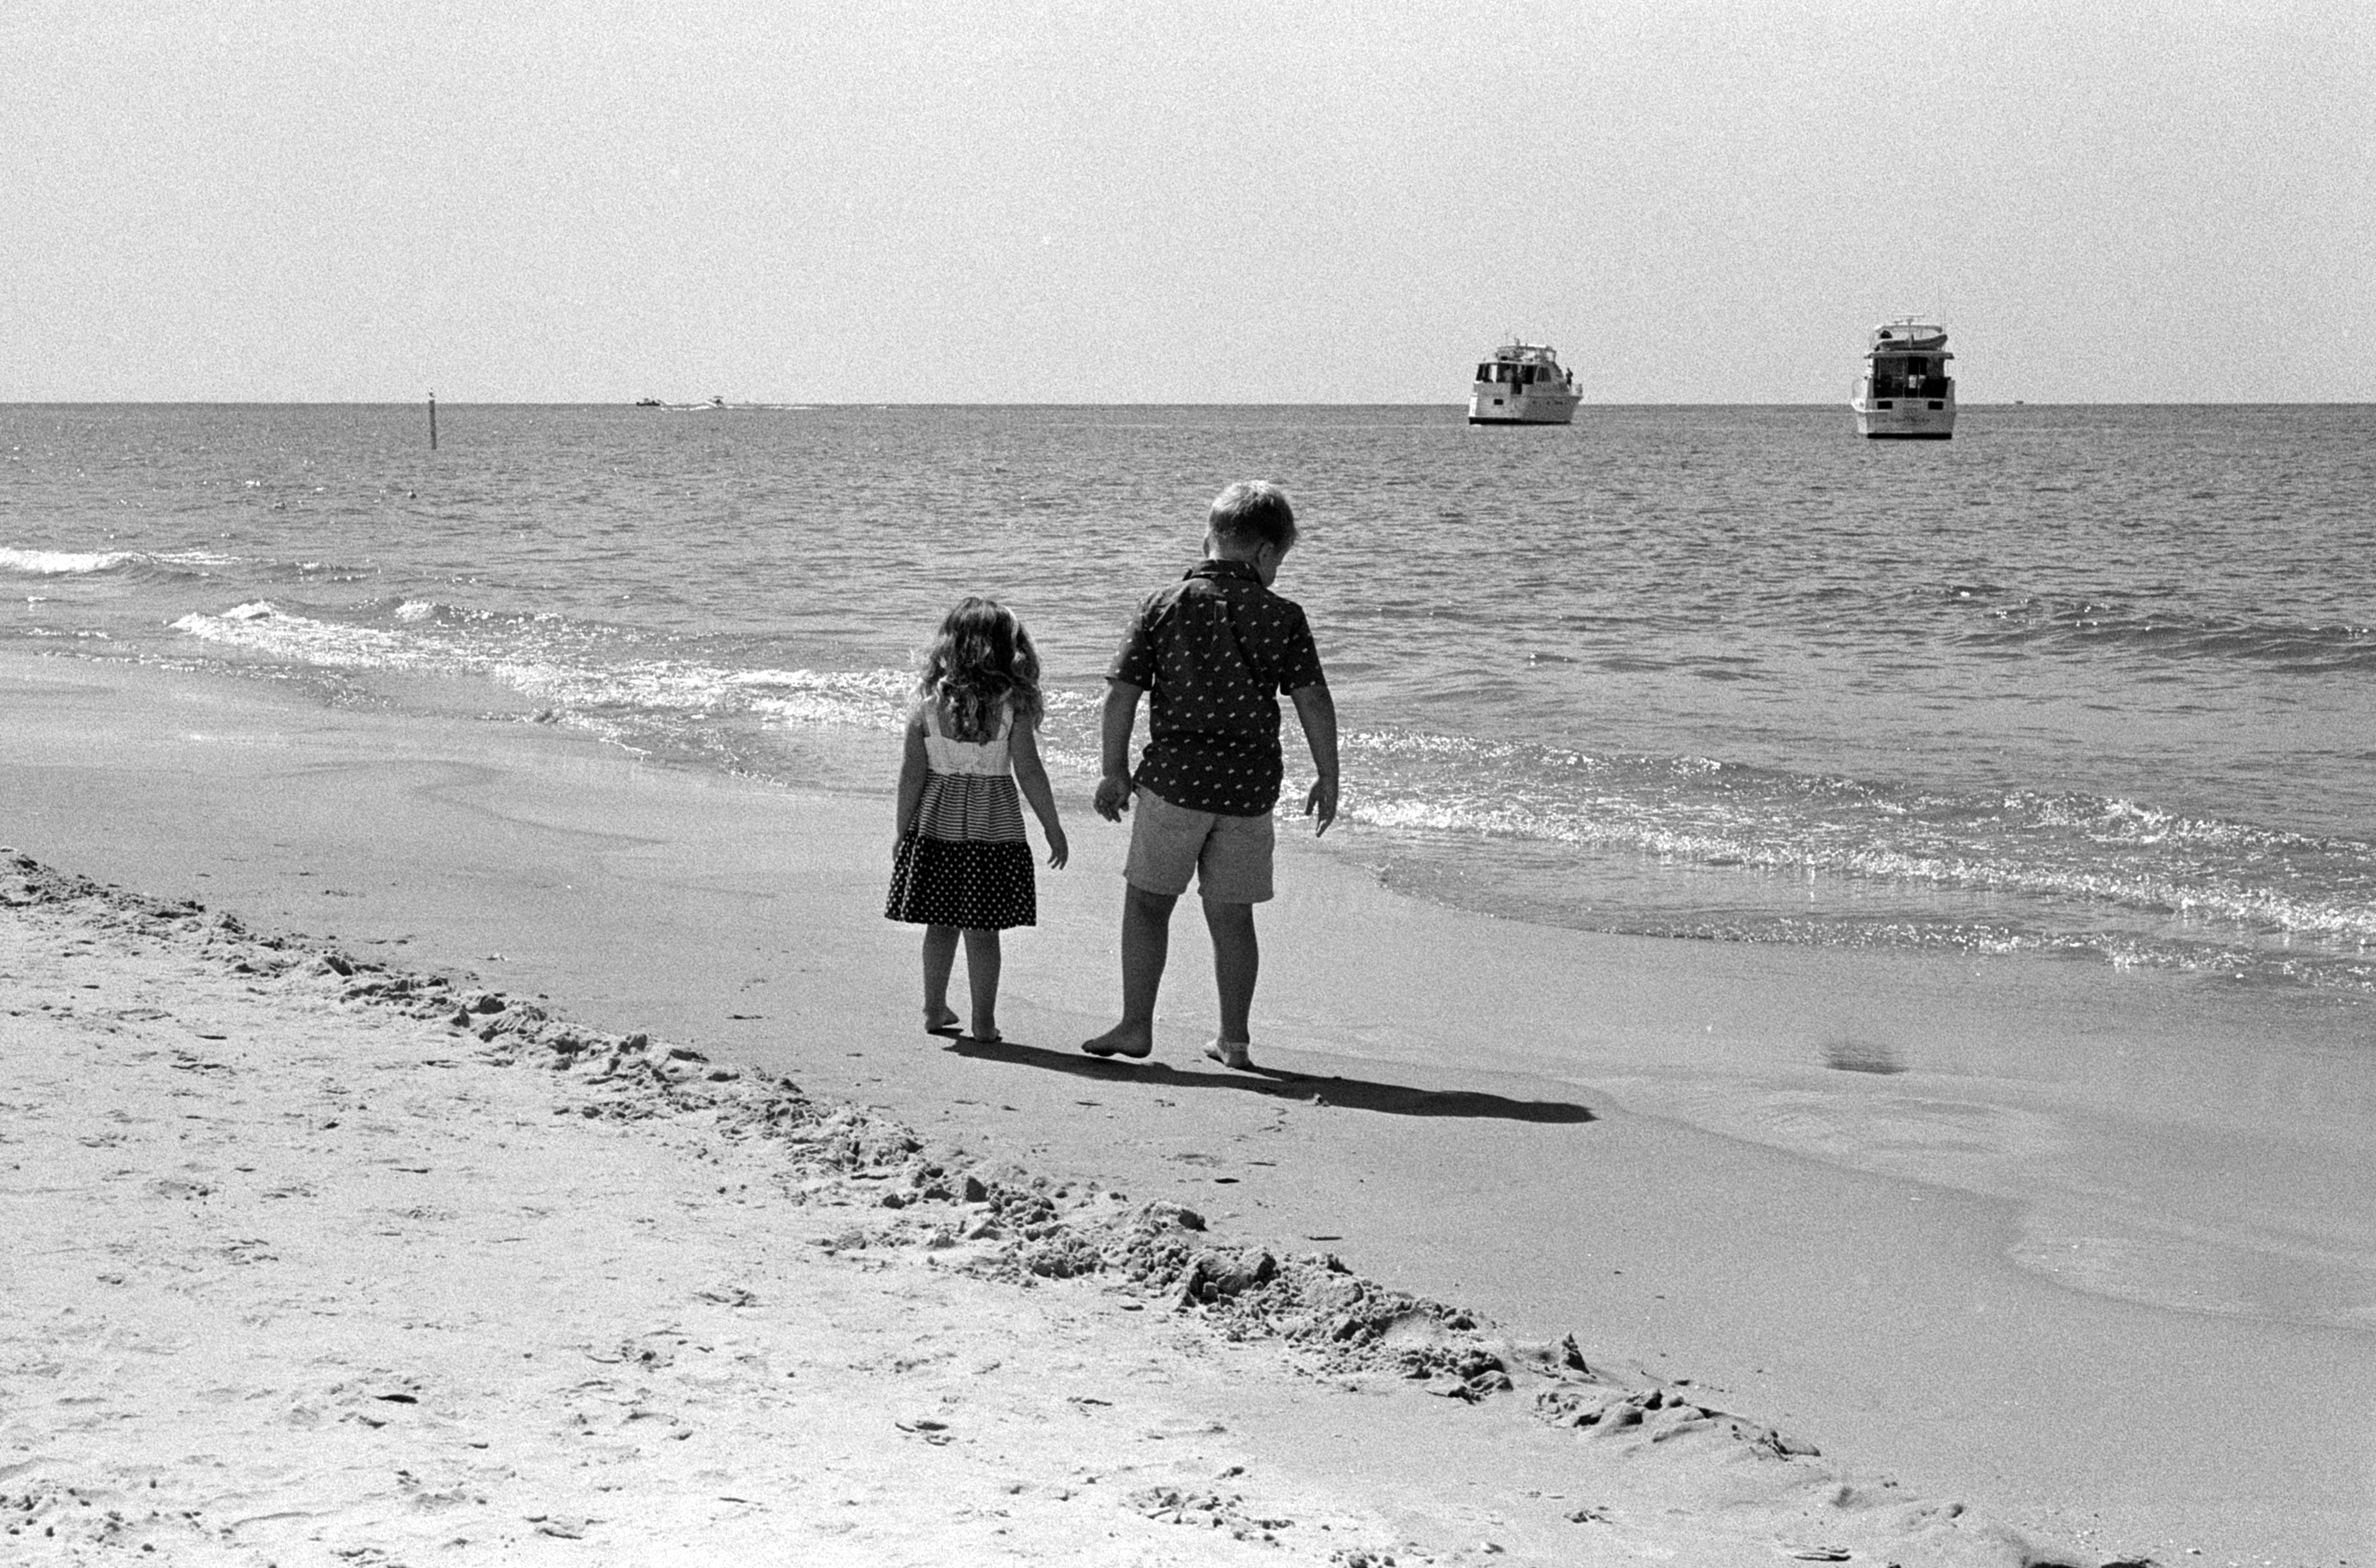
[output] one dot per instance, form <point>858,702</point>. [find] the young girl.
<point>962,864</point>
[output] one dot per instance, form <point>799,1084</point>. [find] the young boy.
<point>1212,651</point>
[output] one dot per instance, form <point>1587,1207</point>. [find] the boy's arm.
<point>912,768</point>
<point>1316,711</point>
<point>1121,714</point>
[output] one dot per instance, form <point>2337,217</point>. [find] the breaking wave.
<point>61,562</point>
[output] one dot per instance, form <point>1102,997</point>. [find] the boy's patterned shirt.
<point>1212,651</point>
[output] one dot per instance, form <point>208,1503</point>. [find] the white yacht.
<point>1906,392</point>
<point>1523,384</point>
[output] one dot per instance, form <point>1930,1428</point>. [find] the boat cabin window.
<point>1908,375</point>
<point>1484,373</point>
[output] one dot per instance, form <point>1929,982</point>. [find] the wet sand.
<point>1937,1222</point>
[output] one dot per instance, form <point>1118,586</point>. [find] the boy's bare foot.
<point>1231,1053</point>
<point>940,1021</point>
<point>1123,1039</point>
<point>986,1033</point>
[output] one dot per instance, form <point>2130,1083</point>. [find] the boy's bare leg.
<point>982,979</point>
<point>1237,963</point>
<point>1146,944</point>
<point>940,954</point>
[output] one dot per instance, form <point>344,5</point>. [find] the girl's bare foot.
<point>985,1030</point>
<point>1231,1053</point>
<point>1124,1039</point>
<point>939,1020</point>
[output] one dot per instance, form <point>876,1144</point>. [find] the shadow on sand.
<point>1354,1094</point>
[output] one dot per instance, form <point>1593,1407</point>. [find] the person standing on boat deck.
<point>1212,652</point>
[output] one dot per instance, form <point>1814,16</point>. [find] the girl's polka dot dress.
<point>966,863</point>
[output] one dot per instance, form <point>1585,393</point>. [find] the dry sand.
<point>483,1255</point>
<point>315,1262</point>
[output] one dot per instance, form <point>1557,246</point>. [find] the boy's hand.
<point>1113,796</point>
<point>1059,852</point>
<point>1322,801</point>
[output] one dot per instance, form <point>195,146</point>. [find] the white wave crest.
<point>1614,823</point>
<point>61,562</point>
<point>261,628</point>
<point>871,699</point>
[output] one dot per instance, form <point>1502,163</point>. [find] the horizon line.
<point>803,405</point>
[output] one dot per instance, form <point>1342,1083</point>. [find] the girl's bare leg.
<point>940,957</point>
<point>981,978</point>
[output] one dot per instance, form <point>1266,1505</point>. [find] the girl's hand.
<point>1059,852</point>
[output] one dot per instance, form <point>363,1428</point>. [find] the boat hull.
<point>1928,420</point>
<point>1523,410</point>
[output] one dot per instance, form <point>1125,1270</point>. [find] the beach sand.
<point>1794,1190</point>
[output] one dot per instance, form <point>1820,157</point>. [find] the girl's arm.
<point>912,768</point>
<point>1031,777</point>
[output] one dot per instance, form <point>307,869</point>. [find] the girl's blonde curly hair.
<point>980,660</point>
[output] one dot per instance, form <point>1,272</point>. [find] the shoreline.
<point>1830,1300</point>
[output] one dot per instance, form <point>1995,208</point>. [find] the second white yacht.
<point>1523,384</point>
<point>1906,392</point>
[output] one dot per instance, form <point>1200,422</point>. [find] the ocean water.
<point>2095,684</point>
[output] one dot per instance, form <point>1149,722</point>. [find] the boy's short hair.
<point>1254,511</point>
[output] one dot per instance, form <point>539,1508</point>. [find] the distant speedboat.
<point>1523,384</point>
<point>1906,393</point>
<point>649,403</point>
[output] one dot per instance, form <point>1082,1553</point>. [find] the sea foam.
<point>60,563</point>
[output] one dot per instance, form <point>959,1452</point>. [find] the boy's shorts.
<point>1231,855</point>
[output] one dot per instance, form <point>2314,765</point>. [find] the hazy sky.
<point>1180,201</point>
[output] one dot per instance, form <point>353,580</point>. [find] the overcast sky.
<point>1180,201</point>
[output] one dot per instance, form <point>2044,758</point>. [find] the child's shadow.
<point>1356,1094</point>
